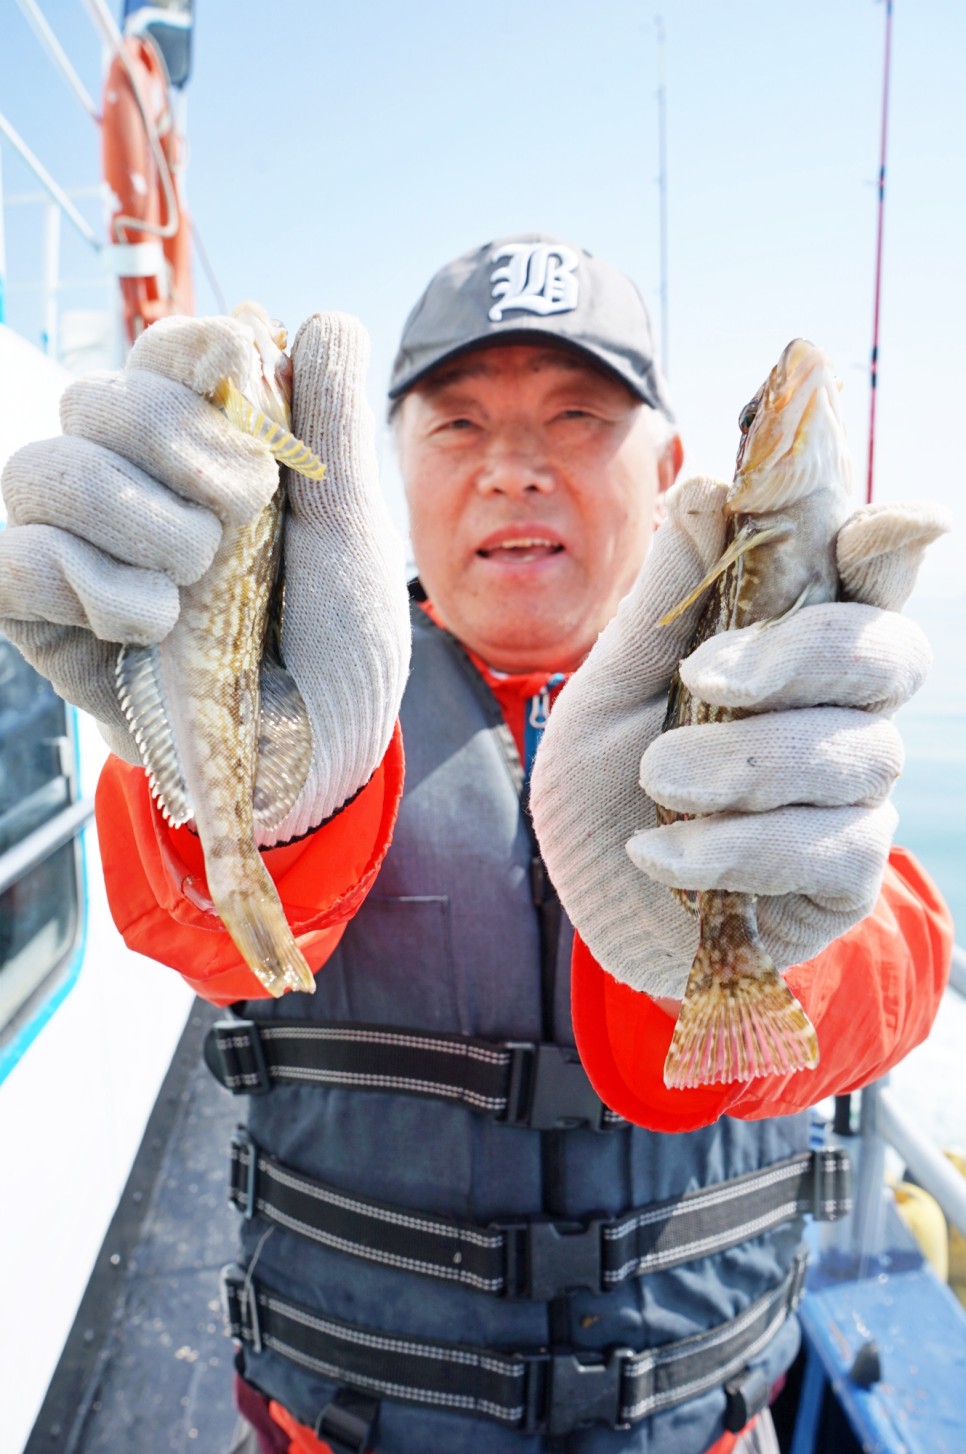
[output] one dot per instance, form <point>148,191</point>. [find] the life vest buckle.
<point>575,1391</point>
<point>745,1396</point>
<point>549,1090</point>
<point>346,1423</point>
<point>545,1258</point>
<point>245,1153</point>
<point>234,1054</point>
<point>239,1305</point>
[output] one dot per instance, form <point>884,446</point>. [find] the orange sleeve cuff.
<point>872,996</point>
<point>156,881</point>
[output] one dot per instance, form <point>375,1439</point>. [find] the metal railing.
<point>44,841</point>
<point>884,1123</point>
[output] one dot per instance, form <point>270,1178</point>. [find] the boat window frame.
<point>56,975</point>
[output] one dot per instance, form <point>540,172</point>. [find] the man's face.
<point>534,487</point>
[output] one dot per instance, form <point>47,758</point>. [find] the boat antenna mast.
<point>874,369</point>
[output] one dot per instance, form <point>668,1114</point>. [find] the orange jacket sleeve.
<point>156,882</point>
<point>872,996</point>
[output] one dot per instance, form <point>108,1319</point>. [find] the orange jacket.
<point>872,995</point>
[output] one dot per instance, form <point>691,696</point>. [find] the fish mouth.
<point>521,547</point>
<point>793,434</point>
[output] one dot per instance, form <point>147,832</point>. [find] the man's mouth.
<point>520,550</point>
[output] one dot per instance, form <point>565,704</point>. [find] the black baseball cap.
<point>519,289</point>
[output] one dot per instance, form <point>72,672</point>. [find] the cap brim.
<point>531,333</point>
<point>623,1038</point>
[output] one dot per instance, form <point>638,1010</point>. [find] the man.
<point>448,1241</point>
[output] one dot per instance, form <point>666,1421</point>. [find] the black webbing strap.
<point>535,1392</point>
<point>518,1083</point>
<point>539,1257</point>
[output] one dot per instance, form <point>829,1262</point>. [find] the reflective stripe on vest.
<point>457,938</point>
<point>517,1083</point>
<point>538,1257</point>
<point>532,1391</point>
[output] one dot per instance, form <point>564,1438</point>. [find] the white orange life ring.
<point>143,193</point>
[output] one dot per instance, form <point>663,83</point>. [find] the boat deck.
<point>147,1366</point>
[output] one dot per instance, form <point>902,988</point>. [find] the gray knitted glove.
<point>106,523</point>
<point>795,797</point>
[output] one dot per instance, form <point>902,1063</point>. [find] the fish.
<point>221,728</point>
<point>788,500</point>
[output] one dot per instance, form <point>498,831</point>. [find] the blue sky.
<point>339,154</point>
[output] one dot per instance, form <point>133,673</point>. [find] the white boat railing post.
<point>869,1168</point>
<point>931,1169</point>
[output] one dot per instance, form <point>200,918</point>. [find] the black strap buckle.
<point>576,1391</point>
<point>831,1184</point>
<point>347,1423</point>
<point>545,1258</point>
<point>745,1396</point>
<point>549,1089</point>
<point>239,1305</point>
<point>234,1055</point>
<point>242,1147</point>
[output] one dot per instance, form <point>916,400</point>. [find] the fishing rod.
<point>874,372</point>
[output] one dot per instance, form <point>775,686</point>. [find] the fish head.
<point>269,382</point>
<point>793,440</point>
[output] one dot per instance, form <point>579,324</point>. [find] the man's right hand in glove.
<point>107,523</point>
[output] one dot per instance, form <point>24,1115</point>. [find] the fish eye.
<point>747,415</point>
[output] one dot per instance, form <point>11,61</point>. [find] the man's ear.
<point>668,468</point>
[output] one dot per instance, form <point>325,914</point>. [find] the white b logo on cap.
<point>539,278</point>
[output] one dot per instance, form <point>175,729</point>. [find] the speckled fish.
<point>785,507</point>
<point>219,723</point>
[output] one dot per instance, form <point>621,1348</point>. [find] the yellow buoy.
<point>957,1242</point>
<point>923,1216</point>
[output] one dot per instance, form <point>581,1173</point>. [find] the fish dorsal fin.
<point>140,692</point>
<point>284,746</point>
<point>281,441</point>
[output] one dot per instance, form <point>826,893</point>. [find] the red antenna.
<point>878,247</point>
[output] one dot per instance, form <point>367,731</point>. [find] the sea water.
<point>931,793</point>
<point>931,799</point>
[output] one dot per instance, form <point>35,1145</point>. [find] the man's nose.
<point>516,468</point>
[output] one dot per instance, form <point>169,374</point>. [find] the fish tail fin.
<point>739,1019</point>
<point>281,441</point>
<point>257,924</point>
<point>744,541</point>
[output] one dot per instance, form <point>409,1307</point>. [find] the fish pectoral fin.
<point>281,441</point>
<point>793,609</point>
<point>140,691</point>
<point>284,746</point>
<point>744,541</point>
<point>738,1020</point>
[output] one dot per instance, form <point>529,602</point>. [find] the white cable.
<point>41,28</point>
<point>47,181</point>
